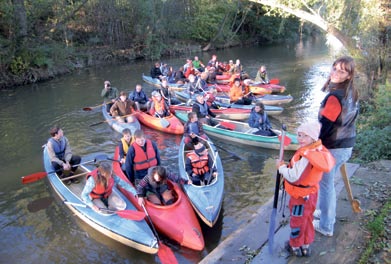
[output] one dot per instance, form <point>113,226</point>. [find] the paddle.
<point>165,253</point>
<point>214,164</point>
<point>101,122</point>
<point>39,175</point>
<point>354,202</point>
<point>127,214</point>
<point>228,125</point>
<point>273,216</point>
<point>93,107</point>
<point>274,81</point>
<point>163,122</point>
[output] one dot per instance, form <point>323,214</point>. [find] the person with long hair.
<point>98,191</point>
<point>338,113</point>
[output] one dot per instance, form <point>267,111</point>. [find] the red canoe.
<point>176,221</point>
<point>223,112</point>
<point>174,125</point>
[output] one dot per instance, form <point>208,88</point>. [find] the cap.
<point>310,128</point>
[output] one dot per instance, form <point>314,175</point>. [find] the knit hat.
<point>310,128</point>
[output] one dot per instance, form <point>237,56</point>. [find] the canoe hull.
<point>206,200</point>
<point>175,127</point>
<point>226,113</point>
<point>267,99</point>
<point>135,234</point>
<point>118,126</point>
<point>177,221</point>
<point>242,137</point>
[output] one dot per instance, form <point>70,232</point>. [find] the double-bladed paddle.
<point>165,253</point>
<point>127,214</point>
<point>93,107</point>
<point>109,120</point>
<point>273,216</point>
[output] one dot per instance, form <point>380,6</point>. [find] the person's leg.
<point>75,160</point>
<point>116,203</point>
<point>327,196</point>
<point>58,168</point>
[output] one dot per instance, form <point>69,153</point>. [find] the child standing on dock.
<point>301,181</point>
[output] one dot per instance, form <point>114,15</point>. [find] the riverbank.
<point>371,185</point>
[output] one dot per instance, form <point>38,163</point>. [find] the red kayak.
<point>223,112</point>
<point>169,124</point>
<point>176,221</point>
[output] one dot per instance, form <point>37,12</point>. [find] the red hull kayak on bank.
<point>177,221</point>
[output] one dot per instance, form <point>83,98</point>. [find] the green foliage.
<point>374,128</point>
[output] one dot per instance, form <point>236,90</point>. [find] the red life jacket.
<point>100,191</point>
<point>144,160</point>
<point>199,163</point>
<point>320,160</point>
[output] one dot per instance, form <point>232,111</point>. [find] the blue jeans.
<point>327,200</point>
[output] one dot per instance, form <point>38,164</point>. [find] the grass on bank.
<point>377,228</point>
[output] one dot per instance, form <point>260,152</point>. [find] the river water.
<point>36,227</point>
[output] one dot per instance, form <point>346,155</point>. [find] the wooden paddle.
<point>113,119</point>
<point>93,107</point>
<point>39,175</point>
<point>165,253</point>
<point>127,214</point>
<point>354,202</point>
<point>272,225</point>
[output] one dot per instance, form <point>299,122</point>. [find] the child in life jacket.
<point>124,145</point>
<point>193,130</point>
<point>301,181</point>
<point>199,165</point>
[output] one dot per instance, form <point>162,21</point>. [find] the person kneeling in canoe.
<point>98,191</point>
<point>259,122</point>
<point>199,165</point>
<point>123,108</point>
<point>154,187</point>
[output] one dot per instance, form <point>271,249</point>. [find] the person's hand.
<point>66,166</point>
<point>279,163</point>
<point>192,135</point>
<point>214,174</point>
<point>189,182</point>
<point>140,201</point>
<point>122,161</point>
<point>96,208</point>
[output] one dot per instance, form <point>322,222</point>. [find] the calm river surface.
<point>36,227</point>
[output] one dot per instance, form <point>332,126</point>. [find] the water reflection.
<point>45,230</point>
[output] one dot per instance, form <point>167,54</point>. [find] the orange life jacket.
<point>199,163</point>
<point>144,160</point>
<point>320,160</point>
<point>100,191</point>
<point>159,107</point>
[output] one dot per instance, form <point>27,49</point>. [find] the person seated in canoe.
<point>192,130</point>
<point>165,92</point>
<point>155,72</point>
<point>211,75</point>
<point>154,187</point>
<point>159,107</point>
<point>123,108</point>
<point>179,76</point>
<point>259,122</point>
<point>60,154</point>
<point>124,146</point>
<point>261,76</point>
<point>210,98</point>
<point>110,95</point>
<point>236,94</point>
<point>139,97</point>
<point>204,114</point>
<point>194,87</point>
<point>98,191</point>
<point>199,165</point>
<point>231,66</point>
<point>197,64</point>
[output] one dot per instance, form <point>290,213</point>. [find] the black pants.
<point>75,160</point>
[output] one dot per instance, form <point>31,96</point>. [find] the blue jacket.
<point>254,120</point>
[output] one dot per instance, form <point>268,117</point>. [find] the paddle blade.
<point>228,125</point>
<point>274,81</point>
<point>131,214</point>
<point>166,255</point>
<point>287,140</point>
<point>272,227</point>
<point>33,177</point>
<point>87,109</point>
<point>164,123</point>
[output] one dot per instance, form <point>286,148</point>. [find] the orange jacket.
<point>100,191</point>
<point>320,160</point>
<point>235,93</point>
